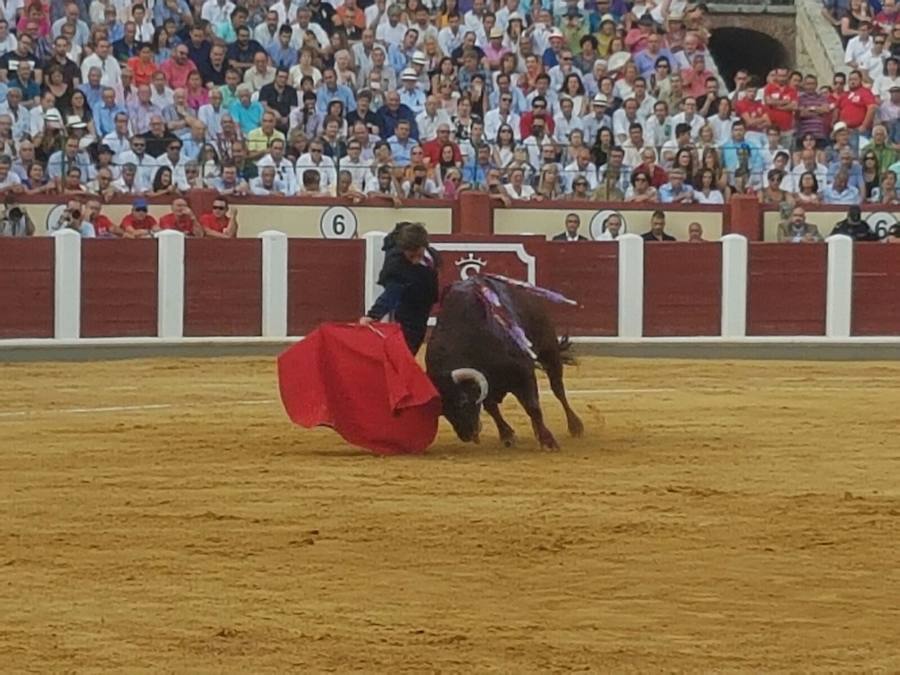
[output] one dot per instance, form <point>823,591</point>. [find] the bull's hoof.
<point>509,441</point>
<point>547,440</point>
<point>576,428</point>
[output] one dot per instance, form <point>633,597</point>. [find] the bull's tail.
<point>566,351</point>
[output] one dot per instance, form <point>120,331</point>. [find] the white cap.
<point>600,99</point>
<point>75,122</point>
<point>556,33</point>
<point>419,57</point>
<point>408,74</point>
<point>496,32</point>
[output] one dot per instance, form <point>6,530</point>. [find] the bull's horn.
<point>463,374</point>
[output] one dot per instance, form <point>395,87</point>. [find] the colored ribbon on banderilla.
<point>501,312</point>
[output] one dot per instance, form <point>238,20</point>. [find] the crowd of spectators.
<point>582,100</point>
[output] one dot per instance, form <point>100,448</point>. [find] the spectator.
<point>420,186</point>
<point>139,224</point>
<point>268,183</point>
<point>840,191</point>
<point>657,228</point>
<point>15,220</point>
<point>177,68</point>
<point>181,219</point>
<point>695,233</point>
<point>854,227</point>
<point>573,222</point>
<point>311,185</point>
<point>221,222</point>
<point>246,113</point>
<point>611,227</point>
<point>676,191</point>
<point>797,230</point>
<point>73,218</point>
<point>641,189</point>
<point>856,108</point>
<point>516,188</point>
<point>103,226</point>
<point>229,183</point>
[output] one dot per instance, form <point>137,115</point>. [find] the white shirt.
<point>391,35</point>
<point>428,125</point>
<point>563,127</point>
<point>493,120</point>
<point>527,191</point>
<point>856,49</point>
<point>117,145</point>
<point>284,172</point>
<point>325,169</point>
<point>714,197</point>
<point>297,34</point>
<point>212,118</point>
<point>212,12</point>
<point>112,72</point>
<point>696,124</point>
<point>146,167</point>
<point>162,99</point>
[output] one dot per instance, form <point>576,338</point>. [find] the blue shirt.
<point>414,100</point>
<point>398,58</point>
<point>388,121</point>
<point>732,152</point>
<point>849,197</point>
<point>667,194</point>
<point>401,150</point>
<point>282,57</point>
<point>93,96</point>
<point>341,93</point>
<point>105,118</point>
<point>475,174</point>
<point>247,118</point>
<point>854,179</point>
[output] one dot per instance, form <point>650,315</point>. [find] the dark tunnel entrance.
<point>736,48</point>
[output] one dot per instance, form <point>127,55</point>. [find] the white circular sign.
<point>598,223</point>
<point>53,216</point>
<point>338,222</point>
<point>880,222</point>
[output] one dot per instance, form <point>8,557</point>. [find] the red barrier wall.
<point>118,288</point>
<point>587,272</point>
<point>325,282</point>
<point>222,287</point>
<point>876,290</point>
<point>26,288</point>
<point>786,289</point>
<point>682,289</point>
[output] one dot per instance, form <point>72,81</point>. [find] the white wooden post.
<point>839,291</point>
<point>734,286</point>
<point>67,284</point>
<point>631,286</point>
<point>170,284</point>
<point>374,262</point>
<point>274,283</point>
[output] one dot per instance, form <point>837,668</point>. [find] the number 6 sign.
<point>338,222</point>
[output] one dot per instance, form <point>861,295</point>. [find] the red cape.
<point>363,382</point>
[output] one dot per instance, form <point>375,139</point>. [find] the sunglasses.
<point>218,208</point>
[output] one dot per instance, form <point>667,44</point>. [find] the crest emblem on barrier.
<point>470,265</point>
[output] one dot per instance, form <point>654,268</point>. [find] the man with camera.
<point>73,219</point>
<point>15,221</point>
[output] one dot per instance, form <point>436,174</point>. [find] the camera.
<point>14,213</point>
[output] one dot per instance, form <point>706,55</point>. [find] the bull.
<point>473,364</point>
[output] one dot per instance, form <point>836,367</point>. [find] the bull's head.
<point>462,394</point>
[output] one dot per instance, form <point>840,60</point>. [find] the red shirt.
<point>183,224</point>
<point>853,106</point>
<point>209,221</point>
<point>148,223</point>
<point>752,108</point>
<point>783,119</point>
<point>527,118</point>
<point>432,150</point>
<point>102,226</point>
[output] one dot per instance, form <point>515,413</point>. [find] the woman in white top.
<point>304,69</point>
<point>889,78</point>
<point>706,192</point>
<point>505,144</point>
<point>517,189</point>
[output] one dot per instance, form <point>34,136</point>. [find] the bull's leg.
<point>528,397</point>
<point>554,369</point>
<point>507,434</point>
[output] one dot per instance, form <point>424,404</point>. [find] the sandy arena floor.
<point>164,516</point>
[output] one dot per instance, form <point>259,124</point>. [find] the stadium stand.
<point>582,100</point>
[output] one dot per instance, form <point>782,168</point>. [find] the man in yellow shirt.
<point>258,139</point>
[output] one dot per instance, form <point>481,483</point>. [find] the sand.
<point>164,516</point>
